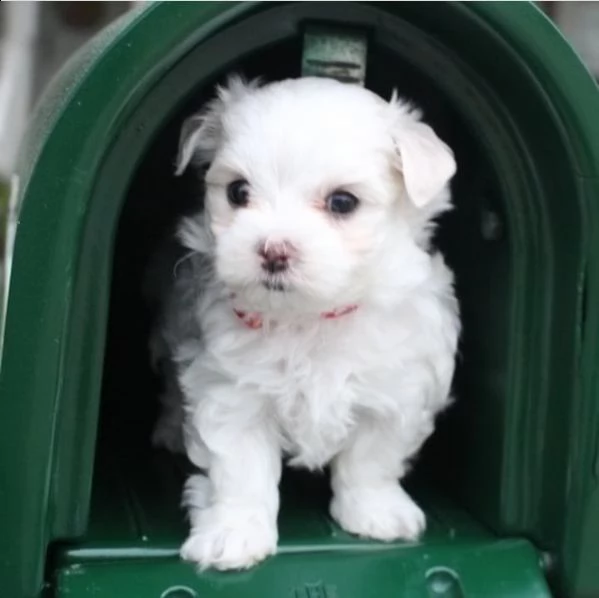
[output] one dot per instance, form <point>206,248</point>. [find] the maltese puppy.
<point>310,319</point>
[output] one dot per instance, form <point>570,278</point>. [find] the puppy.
<point>310,319</point>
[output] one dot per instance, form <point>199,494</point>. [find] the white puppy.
<point>311,319</point>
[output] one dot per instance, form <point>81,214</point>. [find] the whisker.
<point>182,260</point>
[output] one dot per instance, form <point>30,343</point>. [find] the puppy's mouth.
<point>275,285</point>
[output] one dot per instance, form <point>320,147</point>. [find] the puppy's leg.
<point>234,511</point>
<point>367,498</point>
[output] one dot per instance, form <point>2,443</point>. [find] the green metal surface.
<point>136,529</point>
<point>518,453</point>
<point>476,570</point>
<point>136,513</point>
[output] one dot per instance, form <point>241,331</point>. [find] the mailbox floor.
<point>137,526</point>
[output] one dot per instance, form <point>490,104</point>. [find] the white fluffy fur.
<point>359,392</point>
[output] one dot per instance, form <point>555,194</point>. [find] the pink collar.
<point>254,320</point>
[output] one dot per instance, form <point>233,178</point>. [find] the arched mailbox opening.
<point>500,241</point>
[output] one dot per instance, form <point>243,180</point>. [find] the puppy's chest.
<point>313,381</point>
<point>313,407</point>
<point>309,385</point>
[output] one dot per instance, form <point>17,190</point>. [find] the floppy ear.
<point>427,164</point>
<point>201,133</point>
<point>194,129</point>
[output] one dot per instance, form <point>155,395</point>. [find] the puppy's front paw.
<point>231,537</point>
<point>386,513</point>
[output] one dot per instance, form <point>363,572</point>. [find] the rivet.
<point>179,592</point>
<point>443,583</point>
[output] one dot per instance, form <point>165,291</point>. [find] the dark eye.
<point>238,193</point>
<point>342,202</point>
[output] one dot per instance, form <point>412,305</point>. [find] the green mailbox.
<point>510,481</point>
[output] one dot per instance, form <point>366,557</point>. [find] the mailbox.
<point>510,480</point>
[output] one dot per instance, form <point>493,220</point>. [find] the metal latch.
<point>335,52</point>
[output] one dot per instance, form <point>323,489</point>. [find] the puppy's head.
<point>318,193</point>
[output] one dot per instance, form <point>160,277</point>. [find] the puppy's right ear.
<point>201,133</point>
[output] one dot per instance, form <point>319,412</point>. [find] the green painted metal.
<point>518,453</point>
<point>478,570</point>
<point>131,547</point>
<point>136,514</point>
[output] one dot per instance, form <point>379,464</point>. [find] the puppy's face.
<point>311,183</point>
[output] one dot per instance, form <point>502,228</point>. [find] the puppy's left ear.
<point>426,163</point>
